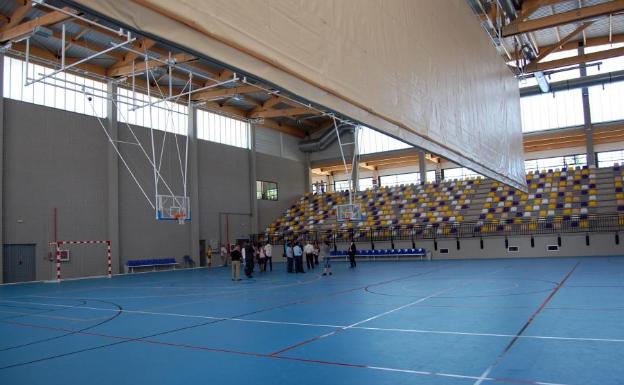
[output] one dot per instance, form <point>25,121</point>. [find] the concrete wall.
<point>58,159</point>
<point>572,245</point>
<point>290,178</point>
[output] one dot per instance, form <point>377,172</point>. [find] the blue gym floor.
<point>527,321</point>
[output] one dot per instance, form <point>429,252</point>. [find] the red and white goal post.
<point>58,245</point>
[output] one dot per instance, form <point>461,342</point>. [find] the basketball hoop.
<point>180,217</point>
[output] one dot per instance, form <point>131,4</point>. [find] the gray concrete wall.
<point>290,178</point>
<point>572,245</point>
<point>54,159</point>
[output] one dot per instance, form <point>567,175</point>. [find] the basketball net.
<point>180,217</point>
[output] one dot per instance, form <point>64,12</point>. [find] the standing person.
<point>249,260</point>
<point>261,258</point>
<point>352,252</point>
<point>298,252</point>
<point>290,255</point>
<point>268,253</point>
<point>324,252</point>
<point>236,261</point>
<point>308,250</point>
<point>316,253</point>
<point>223,254</point>
<point>209,256</point>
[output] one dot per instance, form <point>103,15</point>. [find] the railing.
<point>538,226</point>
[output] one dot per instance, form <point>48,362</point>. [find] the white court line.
<point>353,326</point>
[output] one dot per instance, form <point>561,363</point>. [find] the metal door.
<point>18,263</point>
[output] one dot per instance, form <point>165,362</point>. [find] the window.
<point>609,158</point>
<point>165,116</point>
<point>606,65</point>
<point>222,129</point>
<point>555,162</point>
<point>63,90</point>
<point>552,110</point>
<point>371,141</point>
<point>341,185</point>
<point>458,173</point>
<point>266,190</point>
<point>408,178</point>
<point>606,102</point>
<point>366,183</point>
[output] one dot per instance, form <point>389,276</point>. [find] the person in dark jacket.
<point>236,261</point>
<point>352,252</point>
<point>249,260</point>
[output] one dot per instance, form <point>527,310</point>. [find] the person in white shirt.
<point>268,253</point>
<point>223,254</point>
<point>261,258</point>
<point>308,250</point>
<point>298,252</point>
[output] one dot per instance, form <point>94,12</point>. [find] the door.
<point>18,263</point>
<point>202,252</point>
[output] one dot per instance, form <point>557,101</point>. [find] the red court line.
<point>285,358</point>
<point>524,327</point>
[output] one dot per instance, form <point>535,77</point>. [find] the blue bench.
<point>382,253</point>
<point>153,263</point>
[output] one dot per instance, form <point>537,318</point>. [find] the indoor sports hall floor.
<point>522,321</point>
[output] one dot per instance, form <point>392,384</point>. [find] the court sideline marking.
<point>528,322</point>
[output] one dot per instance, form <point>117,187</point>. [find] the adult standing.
<point>236,261</point>
<point>308,250</point>
<point>223,254</point>
<point>249,260</point>
<point>268,253</point>
<point>298,252</point>
<point>261,258</point>
<point>209,256</point>
<point>290,255</point>
<point>324,252</point>
<point>316,253</point>
<point>352,252</point>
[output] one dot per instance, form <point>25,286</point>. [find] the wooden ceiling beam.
<point>129,56</point>
<point>225,92</point>
<point>18,15</point>
<point>281,127</point>
<point>273,113</point>
<point>555,47</point>
<point>570,61</point>
<point>47,55</point>
<point>75,40</point>
<point>141,65</point>
<point>27,27</point>
<point>563,18</point>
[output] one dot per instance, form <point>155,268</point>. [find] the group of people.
<point>262,254</point>
<point>294,253</point>
<point>249,254</point>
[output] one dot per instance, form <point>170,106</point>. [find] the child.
<point>324,252</point>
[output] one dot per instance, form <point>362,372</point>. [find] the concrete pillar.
<point>253,200</point>
<point>112,195</point>
<point>1,164</point>
<point>306,172</point>
<point>355,172</point>
<point>422,166</point>
<point>193,183</point>
<point>589,140</point>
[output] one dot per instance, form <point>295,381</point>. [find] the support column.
<point>193,183</point>
<point>112,166</point>
<point>253,200</point>
<point>1,165</point>
<point>589,130</point>
<point>422,167</point>
<point>307,180</point>
<point>355,172</point>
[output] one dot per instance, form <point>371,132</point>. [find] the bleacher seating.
<point>131,265</point>
<point>569,194</point>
